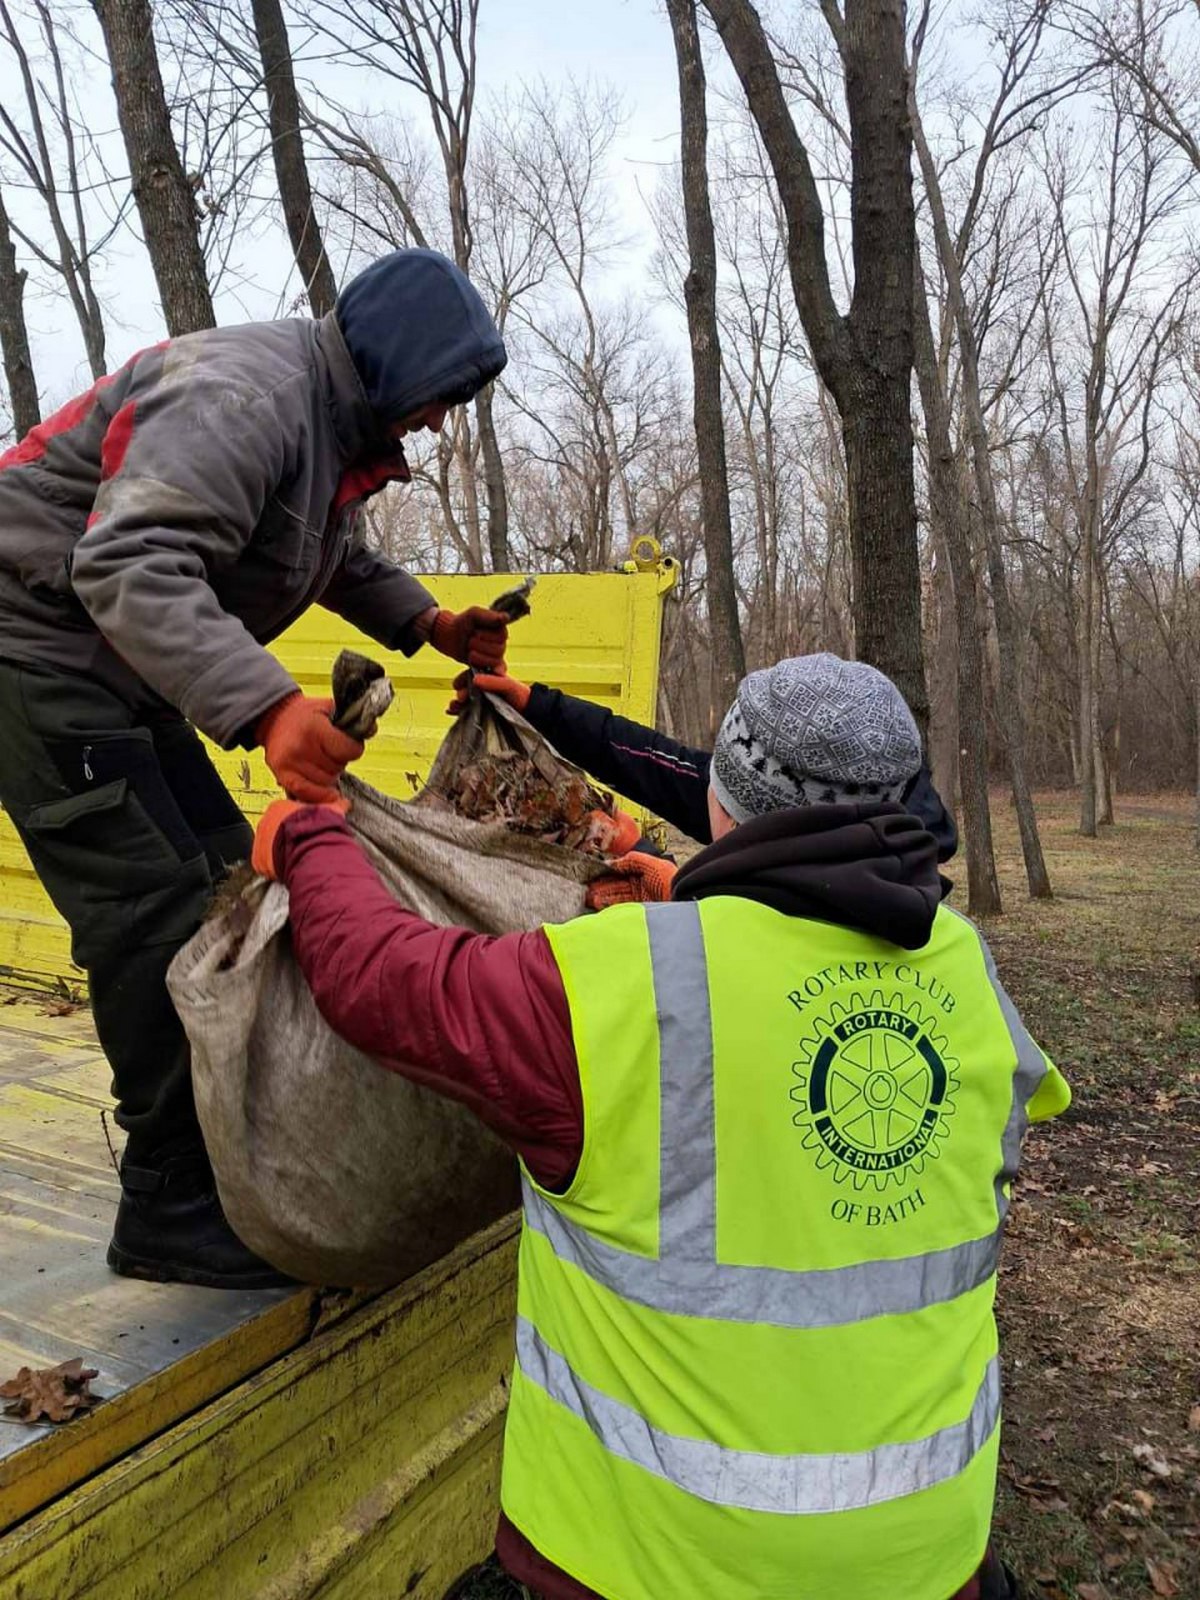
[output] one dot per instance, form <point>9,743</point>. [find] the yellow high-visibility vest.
<point>756,1354</point>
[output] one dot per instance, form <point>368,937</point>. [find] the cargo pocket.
<point>113,873</point>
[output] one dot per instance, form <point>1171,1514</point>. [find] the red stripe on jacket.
<point>117,439</point>
<point>361,482</point>
<point>36,442</point>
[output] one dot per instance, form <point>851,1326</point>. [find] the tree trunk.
<point>287,148</point>
<point>953,516</point>
<point>944,716</point>
<point>164,198</point>
<point>1010,716</point>
<point>877,433</point>
<point>464,447</point>
<point>14,336</point>
<point>1087,682</point>
<point>728,664</point>
<point>865,358</point>
<point>494,487</point>
<point>1104,779</point>
<point>877,415</point>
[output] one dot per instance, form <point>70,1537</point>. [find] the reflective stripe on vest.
<point>795,1485</point>
<point>686,1278</point>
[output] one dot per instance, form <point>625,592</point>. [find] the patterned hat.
<point>814,730</point>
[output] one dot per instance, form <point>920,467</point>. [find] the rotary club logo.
<point>874,1091</point>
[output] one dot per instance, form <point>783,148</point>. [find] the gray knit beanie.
<point>814,730</point>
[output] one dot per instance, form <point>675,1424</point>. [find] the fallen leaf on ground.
<point>59,1008</point>
<point>55,1394</point>
<point>1143,1498</point>
<point>1163,1576</point>
<point>1193,1416</point>
<point>1092,1591</point>
<point>1045,1493</point>
<point>1153,1460</point>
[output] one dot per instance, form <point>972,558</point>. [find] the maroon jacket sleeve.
<point>481,1019</point>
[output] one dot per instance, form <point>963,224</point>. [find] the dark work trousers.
<point>127,825</point>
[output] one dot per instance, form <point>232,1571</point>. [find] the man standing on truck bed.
<point>155,534</point>
<point>769,1129</point>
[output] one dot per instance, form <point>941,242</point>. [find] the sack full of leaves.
<point>333,1169</point>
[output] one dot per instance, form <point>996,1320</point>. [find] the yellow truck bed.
<point>279,1444</point>
<point>257,1446</point>
<point>595,635</point>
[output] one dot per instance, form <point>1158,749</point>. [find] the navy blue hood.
<point>418,333</point>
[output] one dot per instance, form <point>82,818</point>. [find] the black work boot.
<point>170,1228</point>
<point>998,1581</point>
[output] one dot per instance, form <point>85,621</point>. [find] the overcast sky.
<point>624,42</point>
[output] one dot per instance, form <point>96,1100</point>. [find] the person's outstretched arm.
<point>483,1020</point>
<point>666,777</point>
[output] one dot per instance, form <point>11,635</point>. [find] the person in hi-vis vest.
<point>769,1124</point>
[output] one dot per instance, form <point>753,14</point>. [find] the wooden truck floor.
<point>281,1444</point>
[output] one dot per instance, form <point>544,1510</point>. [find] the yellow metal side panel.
<point>364,1463</point>
<point>595,635</point>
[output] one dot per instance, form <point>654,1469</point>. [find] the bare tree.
<point>287,149</point>
<point>430,46</point>
<point>865,356</point>
<point>1011,112</point>
<point>950,513</point>
<point>164,197</point>
<point>700,292</point>
<point>1150,45</point>
<point>1125,343</point>
<point>572,344</point>
<point>14,336</point>
<point>49,164</point>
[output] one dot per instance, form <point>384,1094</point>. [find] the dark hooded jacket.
<point>159,530</point>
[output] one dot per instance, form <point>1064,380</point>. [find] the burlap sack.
<point>333,1169</point>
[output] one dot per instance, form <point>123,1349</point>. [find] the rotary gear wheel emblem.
<point>875,1091</point>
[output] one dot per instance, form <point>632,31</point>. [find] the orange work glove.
<point>304,750</point>
<point>266,835</point>
<point>477,636</point>
<point>613,835</point>
<point>506,688</point>
<point>637,879</point>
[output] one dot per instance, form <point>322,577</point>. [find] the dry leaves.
<point>50,1394</point>
<point>1152,1460</point>
<point>1045,1494</point>
<point>1194,1420</point>
<point>1092,1591</point>
<point>507,787</point>
<point>1164,1577</point>
<point>59,1008</point>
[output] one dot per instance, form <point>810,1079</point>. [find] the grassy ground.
<point>1100,1288</point>
<point>1100,1291</point>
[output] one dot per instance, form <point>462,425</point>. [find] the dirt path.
<point>1100,1289</point>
